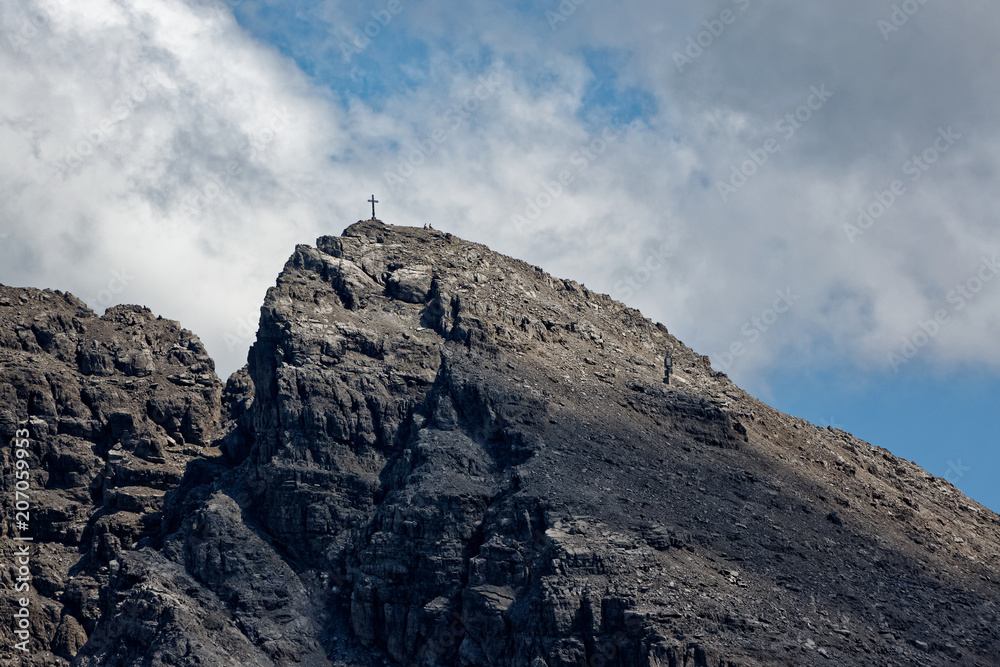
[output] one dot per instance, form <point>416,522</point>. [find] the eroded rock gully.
<point>438,455</point>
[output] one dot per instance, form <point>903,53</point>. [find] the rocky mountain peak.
<point>439,455</point>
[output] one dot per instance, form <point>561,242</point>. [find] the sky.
<point>805,192</point>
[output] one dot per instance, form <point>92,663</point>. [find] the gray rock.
<point>438,455</point>
<point>82,387</point>
<point>410,284</point>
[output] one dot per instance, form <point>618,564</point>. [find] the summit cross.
<point>373,201</point>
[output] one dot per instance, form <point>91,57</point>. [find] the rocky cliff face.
<point>114,407</point>
<point>438,455</point>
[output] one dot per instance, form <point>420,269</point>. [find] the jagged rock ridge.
<point>438,455</point>
<point>115,407</point>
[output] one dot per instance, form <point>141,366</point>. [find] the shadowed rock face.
<point>115,407</point>
<point>438,455</point>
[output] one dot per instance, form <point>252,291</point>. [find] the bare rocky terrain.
<point>116,406</point>
<point>438,455</point>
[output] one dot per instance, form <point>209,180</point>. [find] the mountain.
<point>116,407</point>
<point>438,455</point>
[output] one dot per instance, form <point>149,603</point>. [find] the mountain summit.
<point>439,455</point>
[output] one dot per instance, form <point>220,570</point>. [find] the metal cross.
<point>373,201</point>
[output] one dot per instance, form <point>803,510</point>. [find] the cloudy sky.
<point>806,192</point>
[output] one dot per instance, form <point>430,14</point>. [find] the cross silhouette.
<point>373,201</point>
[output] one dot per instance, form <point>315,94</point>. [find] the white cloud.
<point>158,139</point>
<point>213,155</point>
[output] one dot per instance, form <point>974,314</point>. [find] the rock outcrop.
<point>114,408</point>
<point>438,455</point>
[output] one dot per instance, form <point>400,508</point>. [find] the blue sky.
<point>946,423</point>
<point>806,193</point>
